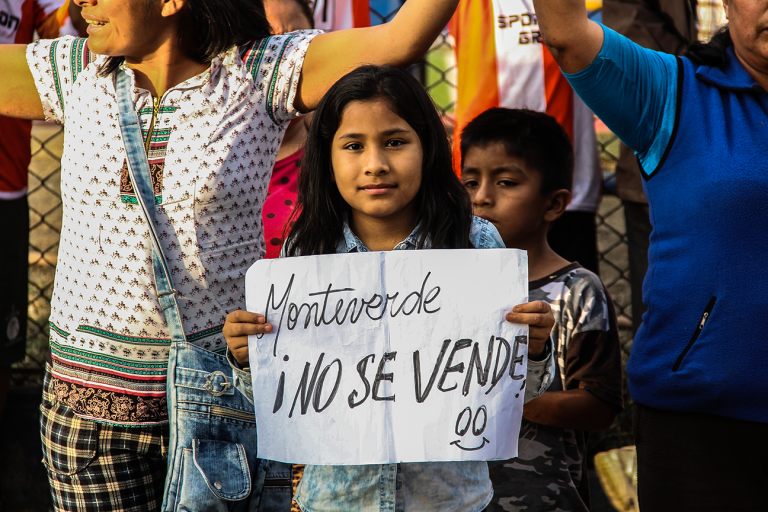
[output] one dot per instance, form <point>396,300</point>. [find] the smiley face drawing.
<point>462,427</point>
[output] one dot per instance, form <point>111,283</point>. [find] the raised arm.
<point>572,38</point>
<point>18,94</point>
<point>631,89</point>
<point>401,42</point>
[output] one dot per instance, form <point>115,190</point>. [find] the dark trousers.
<point>638,240</point>
<point>574,237</point>
<point>14,257</point>
<point>700,462</point>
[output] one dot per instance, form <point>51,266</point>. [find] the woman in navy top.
<point>699,127</point>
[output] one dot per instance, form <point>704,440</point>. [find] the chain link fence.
<point>438,74</point>
<point>44,230</point>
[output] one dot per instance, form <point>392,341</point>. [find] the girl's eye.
<point>507,183</point>
<point>354,146</point>
<point>470,183</point>
<point>395,143</point>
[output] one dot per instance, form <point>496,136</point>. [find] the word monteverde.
<point>346,310</point>
<point>387,357</point>
<point>485,367</point>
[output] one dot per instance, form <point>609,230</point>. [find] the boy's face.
<point>506,192</point>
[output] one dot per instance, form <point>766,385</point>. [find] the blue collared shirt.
<point>418,486</point>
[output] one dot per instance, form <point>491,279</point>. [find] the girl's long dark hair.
<point>712,53</point>
<point>443,205</point>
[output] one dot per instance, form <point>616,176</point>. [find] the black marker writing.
<point>319,313</point>
<point>522,387</point>
<point>380,376</point>
<point>319,389</point>
<point>420,397</point>
<point>517,359</point>
<point>476,431</point>
<point>361,366</point>
<point>339,305</point>
<point>459,345</point>
<point>280,392</point>
<point>271,300</point>
<point>311,389</point>
<point>306,394</point>
<point>475,363</point>
<point>460,431</point>
<point>498,374</point>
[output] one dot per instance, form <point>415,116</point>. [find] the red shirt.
<point>18,21</point>
<point>281,200</point>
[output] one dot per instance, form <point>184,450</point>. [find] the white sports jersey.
<point>503,63</point>
<point>18,21</point>
<point>20,18</point>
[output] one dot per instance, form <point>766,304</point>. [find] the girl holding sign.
<point>201,94</point>
<point>377,176</point>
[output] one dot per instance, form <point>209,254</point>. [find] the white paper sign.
<point>384,357</point>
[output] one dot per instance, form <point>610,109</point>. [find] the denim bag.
<point>211,424</point>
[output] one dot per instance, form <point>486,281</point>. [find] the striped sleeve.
<point>55,66</point>
<point>275,64</point>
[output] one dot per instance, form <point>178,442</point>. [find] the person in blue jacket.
<point>698,372</point>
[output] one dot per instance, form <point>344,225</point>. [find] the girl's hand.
<point>540,320</point>
<point>238,326</point>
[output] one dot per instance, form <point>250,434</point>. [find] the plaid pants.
<point>98,467</point>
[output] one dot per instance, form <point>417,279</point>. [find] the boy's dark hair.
<point>535,138</point>
<point>210,27</point>
<point>443,206</point>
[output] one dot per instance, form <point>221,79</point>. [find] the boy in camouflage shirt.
<point>518,167</point>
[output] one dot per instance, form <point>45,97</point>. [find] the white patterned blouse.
<point>211,143</point>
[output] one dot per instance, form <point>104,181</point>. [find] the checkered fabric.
<point>98,467</point>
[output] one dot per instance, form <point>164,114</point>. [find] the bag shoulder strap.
<point>138,168</point>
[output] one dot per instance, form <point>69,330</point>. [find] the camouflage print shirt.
<point>549,474</point>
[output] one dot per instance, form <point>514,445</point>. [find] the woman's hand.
<point>238,326</point>
<point>540,320</point>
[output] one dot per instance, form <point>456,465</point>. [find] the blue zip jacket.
<point>701,135</point>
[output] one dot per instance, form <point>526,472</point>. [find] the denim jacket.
<point>422,486</point>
